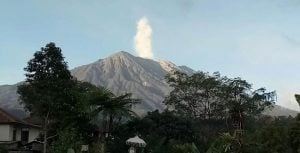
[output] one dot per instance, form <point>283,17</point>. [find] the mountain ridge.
<point>122,72</point>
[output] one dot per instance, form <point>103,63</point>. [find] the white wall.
<point>33,134</point>
<point>11,132</point>
<point>5,132</point>
<point>18,134</point>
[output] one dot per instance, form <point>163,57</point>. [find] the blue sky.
<point>258,40</point>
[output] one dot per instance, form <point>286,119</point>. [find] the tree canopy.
<point>48,86</point>
<point>206,96</point>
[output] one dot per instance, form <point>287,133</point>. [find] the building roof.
<point>136,141</point>
<point>8,118</point>
<point>33,119</point>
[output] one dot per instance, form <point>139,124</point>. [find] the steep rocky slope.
<point>123,72</point>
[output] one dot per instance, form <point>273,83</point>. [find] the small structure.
<point>14,129</point>
<point>136,143</point>
<point>17,134</point>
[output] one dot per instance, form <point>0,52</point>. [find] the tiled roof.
<point>6,117</point>
<point>33,119</point>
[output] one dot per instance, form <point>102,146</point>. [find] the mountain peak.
<point>122,54</point>
<point>118,55</point>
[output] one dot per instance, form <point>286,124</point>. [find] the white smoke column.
<point>142,39</point>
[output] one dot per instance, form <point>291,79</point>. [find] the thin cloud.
<point>269,48</point>
<point>278,52</point>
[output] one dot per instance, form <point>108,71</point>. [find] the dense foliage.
<point>47,91</point>
<point>214,97</point>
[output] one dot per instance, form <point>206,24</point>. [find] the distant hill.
<point>123,72</point>
<point>9,100</point>
<point>281,111</point>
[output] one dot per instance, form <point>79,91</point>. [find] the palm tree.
<point>117,107</point>
<point>111,107</point>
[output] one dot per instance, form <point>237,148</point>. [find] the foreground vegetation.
<point>206,113</point>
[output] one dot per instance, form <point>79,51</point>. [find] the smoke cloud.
<point>143,39</point>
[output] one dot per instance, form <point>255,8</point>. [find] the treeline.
<point>205,113</point>
<point>213,114</point>
<point>167,133</point>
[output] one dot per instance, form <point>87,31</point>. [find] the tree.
<point>240,102</point>
<point>213,97</point>
<point>111,107</point>
<point>239,97</point>
<point>185,148</point>
<point>163,132</point>
<point>223,144</point>
<point>196,95</point>
<point>76,127</point>
<point>272,139</point>
<point>294,135</point>
<point>82,113</point>
<point>294,131</point>
<point>67,139</point>
<point>206,96</point>
<point>47,91</point>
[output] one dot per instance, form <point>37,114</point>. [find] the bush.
<point>67,139</point>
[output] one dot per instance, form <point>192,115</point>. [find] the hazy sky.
<point>258,40</point>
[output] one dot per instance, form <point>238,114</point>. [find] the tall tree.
<point>240,102</point>
<point>111,107</point>
<point>206,96</point>
<point>47,91</point>
<point>294,131</point>
<point>196,95</point>
<point>240,97</point>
